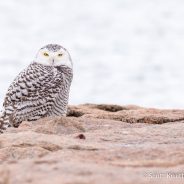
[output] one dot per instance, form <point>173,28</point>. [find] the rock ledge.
<point>96,144</point>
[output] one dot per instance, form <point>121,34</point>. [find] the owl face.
<point>53,55</point>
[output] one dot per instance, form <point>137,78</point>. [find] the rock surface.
<point>96,144</point>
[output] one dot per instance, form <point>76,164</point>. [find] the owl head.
<point>53,55</point>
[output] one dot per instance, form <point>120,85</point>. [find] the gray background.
<point>124,51</point>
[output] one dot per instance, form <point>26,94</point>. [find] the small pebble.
<point>81,136</point>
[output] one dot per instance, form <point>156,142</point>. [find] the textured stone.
<point>96,144</point>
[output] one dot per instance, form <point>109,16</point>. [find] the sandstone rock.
<point>122,144</point>
<point>129,114</point>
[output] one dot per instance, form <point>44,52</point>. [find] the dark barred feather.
<point>38,91</point>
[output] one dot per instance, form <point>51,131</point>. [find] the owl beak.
<point>52,61</point>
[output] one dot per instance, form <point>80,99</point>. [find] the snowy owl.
<point>40,90</point>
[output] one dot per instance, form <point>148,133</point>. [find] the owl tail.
<point>4,124</point>
<point>1,121</point>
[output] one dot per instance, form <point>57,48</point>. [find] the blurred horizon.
<point>124,51</point>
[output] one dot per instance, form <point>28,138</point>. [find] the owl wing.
<point>32,92</point>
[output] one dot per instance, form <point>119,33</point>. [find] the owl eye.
<point>45,54</point>
<point>60,55</point>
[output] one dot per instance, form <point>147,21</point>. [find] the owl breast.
<point>63,81</point>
